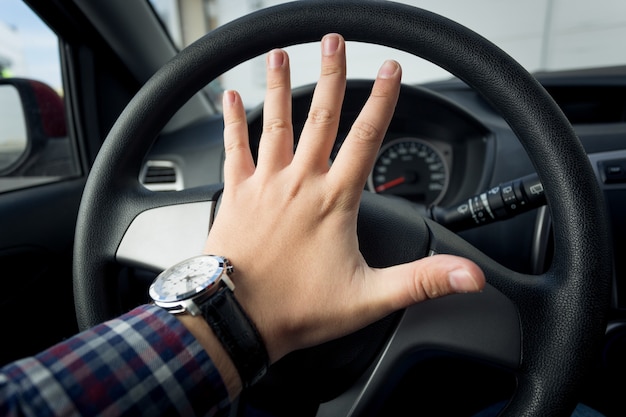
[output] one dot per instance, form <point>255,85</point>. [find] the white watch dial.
<point>186,279</point>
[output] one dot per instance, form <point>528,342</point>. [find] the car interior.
<point>119,174</point>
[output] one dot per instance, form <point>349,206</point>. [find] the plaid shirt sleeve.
<point>143,363</point>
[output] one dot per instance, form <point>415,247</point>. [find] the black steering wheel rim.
<point>569,302</point>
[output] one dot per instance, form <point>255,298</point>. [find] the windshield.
<point>543,35</point>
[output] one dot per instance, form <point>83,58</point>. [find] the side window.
<point>35,147</point>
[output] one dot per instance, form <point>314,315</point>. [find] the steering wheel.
<point>543,328</point>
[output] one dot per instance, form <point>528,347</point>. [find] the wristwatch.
<point>201,286</point>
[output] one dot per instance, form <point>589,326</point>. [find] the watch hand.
<point>192,282</point>
<point>390,184</point>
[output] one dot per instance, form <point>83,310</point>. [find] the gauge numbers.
<point>410,168</point>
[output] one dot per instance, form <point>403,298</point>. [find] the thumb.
<point>403,285</point>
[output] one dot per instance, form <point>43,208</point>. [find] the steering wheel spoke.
<point>483,327</point>
<point>165,235</point>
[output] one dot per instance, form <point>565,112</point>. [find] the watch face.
<point>186,279</point>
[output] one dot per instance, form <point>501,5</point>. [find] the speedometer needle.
<point>390,184</point>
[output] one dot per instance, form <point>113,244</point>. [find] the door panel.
<point>37,232</point>
<point>40,191</point>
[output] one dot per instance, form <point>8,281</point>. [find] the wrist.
<point>203,333</point>
<point>200,290</point>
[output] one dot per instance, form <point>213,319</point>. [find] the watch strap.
<point>238,335</point>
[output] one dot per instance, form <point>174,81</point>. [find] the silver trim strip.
<point>541,237</point>
<point>543,224</point>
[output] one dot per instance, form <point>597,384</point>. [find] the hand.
<point>288,224</point>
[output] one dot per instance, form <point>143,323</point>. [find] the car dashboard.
<point>444,145</point>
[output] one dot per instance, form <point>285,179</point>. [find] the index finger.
<point>238,164</point>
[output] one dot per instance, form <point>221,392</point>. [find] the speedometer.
<point>410,168</point>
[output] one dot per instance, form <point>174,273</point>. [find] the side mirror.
<point>14,141</point>
<point>33,130</point>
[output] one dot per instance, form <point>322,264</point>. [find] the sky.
<point>38,45</point>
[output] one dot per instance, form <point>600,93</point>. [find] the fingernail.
<point>388,69</point>
<point>276,59</point>
<point>229,97</point>
<point>462,281</point>
<point>330,45</point>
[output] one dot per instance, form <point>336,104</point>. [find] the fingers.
<point>320,129</point>
<point>356,156</point>
<point>400,286</point>
<point>276,146</point>
<point>238,164</point>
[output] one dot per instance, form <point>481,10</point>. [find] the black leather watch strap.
<point>238,335</point>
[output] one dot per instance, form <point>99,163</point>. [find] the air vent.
<point>161,176</point>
